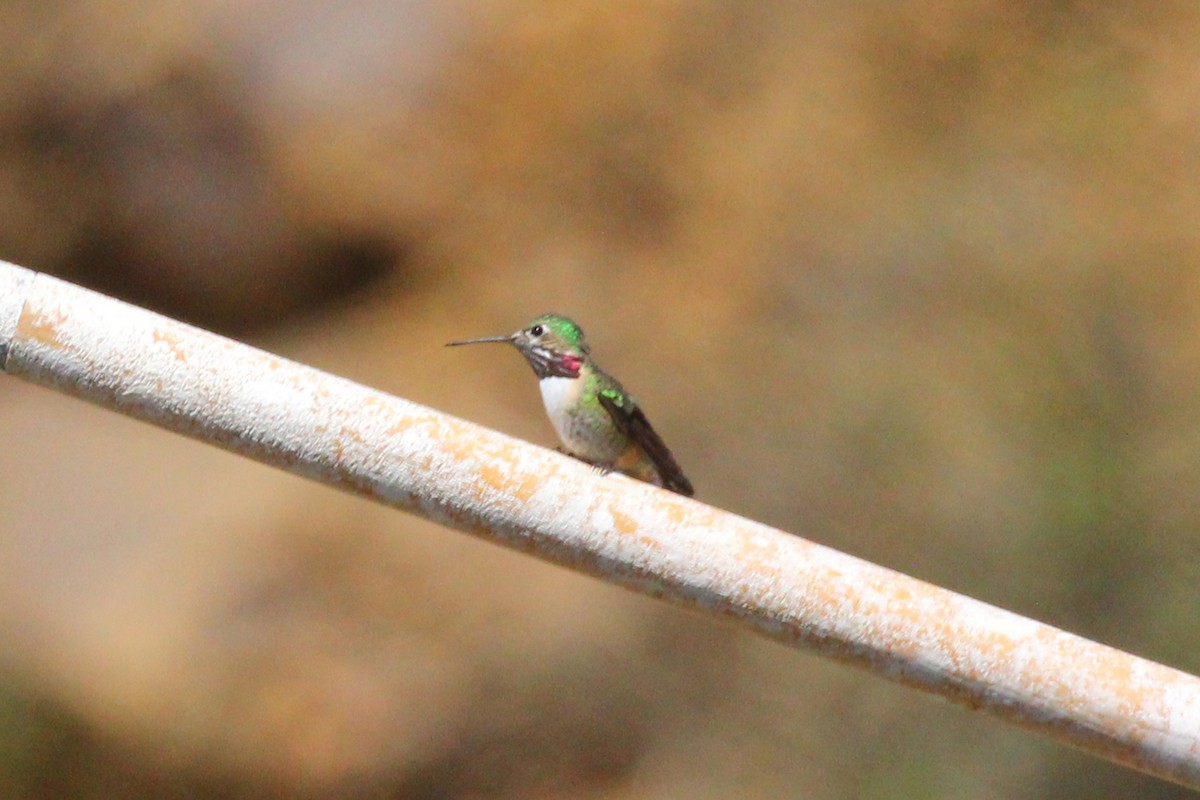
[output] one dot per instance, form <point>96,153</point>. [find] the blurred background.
<point>915,280</point>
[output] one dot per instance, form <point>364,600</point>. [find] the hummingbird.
<point>596,419</point>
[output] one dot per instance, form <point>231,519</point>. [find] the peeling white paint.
<point>1107,702</point>
<point>14,283</point>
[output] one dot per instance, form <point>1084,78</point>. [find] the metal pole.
<point>1110,703</point>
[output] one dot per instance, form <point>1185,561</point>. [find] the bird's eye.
<point>538,330</point>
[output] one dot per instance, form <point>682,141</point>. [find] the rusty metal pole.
<point>1104,701</point>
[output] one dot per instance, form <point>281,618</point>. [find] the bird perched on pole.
<point>596,419</point>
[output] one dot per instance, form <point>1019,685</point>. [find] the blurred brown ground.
<point>919,282</point>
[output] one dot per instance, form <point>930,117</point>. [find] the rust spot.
<point>352,434</point>
<point>525,489</point>
<point>522,485</point>
<point>624,523</point>
<point>402,425</point>
<point>41,328</point>
<point>493,476</point>
<point>171,340</point>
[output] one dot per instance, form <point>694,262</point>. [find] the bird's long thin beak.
<point>506,339</point>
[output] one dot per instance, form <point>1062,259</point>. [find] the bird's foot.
<point>601,468</point>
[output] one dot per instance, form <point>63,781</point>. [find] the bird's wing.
<point>630,419</point>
